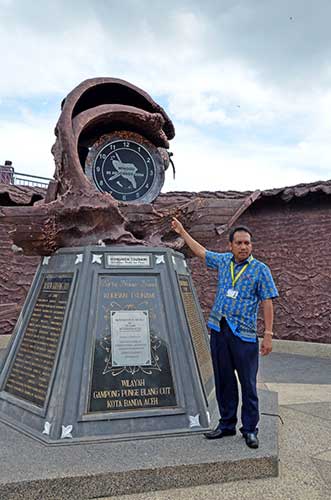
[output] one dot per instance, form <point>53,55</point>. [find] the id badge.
<point>232,293</point>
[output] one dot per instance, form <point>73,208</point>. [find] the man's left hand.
<point>266,345</point>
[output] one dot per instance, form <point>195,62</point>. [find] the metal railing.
<point>9,176</point>
<point>30,180</point>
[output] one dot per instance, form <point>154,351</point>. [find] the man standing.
<point>243,282</point>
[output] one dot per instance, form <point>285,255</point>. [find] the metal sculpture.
<point>111,152</point>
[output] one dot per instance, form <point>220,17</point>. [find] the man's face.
<point>241,246</point>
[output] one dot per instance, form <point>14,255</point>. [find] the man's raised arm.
<point>196,248</point>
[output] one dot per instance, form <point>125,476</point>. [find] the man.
<point>243,282</point>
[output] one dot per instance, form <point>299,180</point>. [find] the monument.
<point>111,343</point>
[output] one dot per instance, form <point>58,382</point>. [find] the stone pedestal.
<point>111,344</point>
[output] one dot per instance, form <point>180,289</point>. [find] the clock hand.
<point>118,158</point>
<point>114,176</point>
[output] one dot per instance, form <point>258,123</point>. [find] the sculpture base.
<point>111,344</point>
<point>120,468</point>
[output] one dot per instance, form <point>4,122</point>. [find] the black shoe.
<point>219,433</point>
<point>251,440</point>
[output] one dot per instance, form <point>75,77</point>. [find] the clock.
<point>127,166</point>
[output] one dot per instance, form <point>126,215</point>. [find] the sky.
<point>247,83</point>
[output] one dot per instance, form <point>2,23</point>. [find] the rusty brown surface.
<point>87,108</point>
<point>17,272</point>
<point>74,212</point>
<point>70,220</point>
<point>20,195</point>
<point>294,239</point>
<point>150,124</point>
<point>298,191</point>
<point>86,219</point>
<point>292,234</point>
<point>141,223</point>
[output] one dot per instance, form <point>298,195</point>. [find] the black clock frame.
<point>143,174</point>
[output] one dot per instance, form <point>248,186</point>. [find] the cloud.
<point>27,144</point>
<point>246,82</point>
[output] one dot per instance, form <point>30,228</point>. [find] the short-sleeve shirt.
<point>254,285</point>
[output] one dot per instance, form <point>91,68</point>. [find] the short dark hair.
<point>239,228</point>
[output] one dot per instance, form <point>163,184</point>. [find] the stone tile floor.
<point>304,388</point>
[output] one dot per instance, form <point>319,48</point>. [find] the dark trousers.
<point>230,354</point>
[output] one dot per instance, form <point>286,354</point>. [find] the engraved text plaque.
<point>196,328</point>
<point>31,371</point>
<point>131,367</point>
<point>130,340</point>
<point>137,261</point>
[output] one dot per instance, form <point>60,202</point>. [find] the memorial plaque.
<point>109,354</point>
<point>123,260</point>
<point>135,384</point>
<point>130,340</point>
<point>31,371</point>
<point>196,327</point>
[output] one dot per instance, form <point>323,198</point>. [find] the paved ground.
<point>304,388</point>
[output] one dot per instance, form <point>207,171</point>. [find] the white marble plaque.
<point>130,338</point>
<point>128,260</point>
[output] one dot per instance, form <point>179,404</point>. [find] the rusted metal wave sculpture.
<point>94,107</point>
<point>70,220</point>
<point>149,123</point>
<point>74,212</point>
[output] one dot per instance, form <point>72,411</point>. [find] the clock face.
<point>123,168</point>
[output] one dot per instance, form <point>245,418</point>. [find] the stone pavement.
<point>303,384</point>
<point>75,469</point>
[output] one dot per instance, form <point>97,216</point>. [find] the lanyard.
<point>235,279</point>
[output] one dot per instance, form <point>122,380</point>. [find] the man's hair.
<point>239,228</point>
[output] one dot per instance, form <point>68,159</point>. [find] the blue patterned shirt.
<point>253,286</point>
